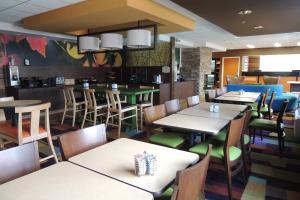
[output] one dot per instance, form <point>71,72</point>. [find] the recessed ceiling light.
<point>298,43</point>
<point>250,46</point>
<point>277,44</point>
<point>245,12</point>
<point>258,27</point>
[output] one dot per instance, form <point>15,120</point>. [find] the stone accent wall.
<point>196,63</point>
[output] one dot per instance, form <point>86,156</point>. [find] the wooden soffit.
<point>94,14</point>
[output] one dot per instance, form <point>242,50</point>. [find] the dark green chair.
<point>269,110</point>
<point>169,138</point>
<point>226,153</point>
<point>272,126</point>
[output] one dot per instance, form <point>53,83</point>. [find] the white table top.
<point>69,182</point>
<point>293,82</point>
<point>116,160</point>
<point>226,111</point>
<point>244,95</point>
<point>236,99</point>
<point>198,124</point>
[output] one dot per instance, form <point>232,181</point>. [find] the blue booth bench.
<point>280,95</point>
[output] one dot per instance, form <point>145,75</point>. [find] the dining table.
<point>238,97</point>
<point>9,108</point>
<point>69,182</point>
<point>116,160</point>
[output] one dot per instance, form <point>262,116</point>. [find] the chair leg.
<point>52,148</point>
<point>280,144</point>
<point>1,143</point>
<point>74,116</point>
<point>244,152</point>
<point>95,117</point>
<point>84,117</point>
<point>136,119</point>
<point>229,183</point>
<point>107,118</point>
<point>253,133</point>
<point>261,136</point>
<point>119,124</point>
<point>141,117</point>
<point>64,114</point>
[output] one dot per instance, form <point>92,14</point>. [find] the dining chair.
<point>2,114</point>
<point>172,106</point>
<point>269,111</point>
<point>273,126</point>
<point>246,137</point>
<point>92,107</point>
<point>210,95</point>
<point>30,130</point>
<point>116,109</point>
<point>226,153</point>
<point>193,100</point>
<point>165,138</point>
<point>264,106</point>
<point>71,103</point>
<point>145,100</point>
<point>190,183</point>
<point>123,98</point>
<point>18,161</point>
<point>76,142</point>
<point>3,119</point>
<point>256,111</point>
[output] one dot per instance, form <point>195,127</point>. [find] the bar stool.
<point>71,104</point>
<point>30,131</point>
<point>115,109</point>
<point>92,107</point>
<point>145,100</point>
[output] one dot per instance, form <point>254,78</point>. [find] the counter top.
<point>293,82</point>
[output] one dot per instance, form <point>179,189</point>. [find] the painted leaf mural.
<point>43,51</point>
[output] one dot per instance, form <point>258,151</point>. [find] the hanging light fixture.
<point>88,44</point>
<point>111,41</point>
<point>138,38</point>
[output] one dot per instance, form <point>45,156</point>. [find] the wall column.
<point>196,62</point>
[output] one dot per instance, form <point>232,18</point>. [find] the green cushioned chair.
<point>222,136</point>
<point>166,138</point>
<point>272,126</point>
<point>173,140</point>
<point>189,183</point>
<point>228,147</point>
<point>217,150</point>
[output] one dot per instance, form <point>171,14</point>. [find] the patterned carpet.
<point>272,177</point>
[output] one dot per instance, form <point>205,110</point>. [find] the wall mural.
<point>43,51</point>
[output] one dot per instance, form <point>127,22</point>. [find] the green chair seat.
<point>222,137</point>
<point>166,195</point>
<point>254,114</point>
<point>168,139</point>
<point>217,150</point>
<point>263,124</point>
<point>264,109</point>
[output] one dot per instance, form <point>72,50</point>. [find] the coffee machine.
<point>12,75</point>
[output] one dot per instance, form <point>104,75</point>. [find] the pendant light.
<point>138,38</point>
<point>88,44</point>
<point>111,41</point>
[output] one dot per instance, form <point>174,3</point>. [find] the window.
<point>279,63</point>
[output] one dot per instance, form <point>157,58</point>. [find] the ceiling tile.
<point>9,19</point>
<point>16,13</point>
<point>10,3</point>
<point>53,4</point>
<point>30,8</point>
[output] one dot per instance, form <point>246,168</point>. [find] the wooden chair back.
<point>147,97</point>
<point>233,137</point>
<point>281,112</point>
<point>260,103</point>
<point>270,103</point>
<point>2,114</point>
<point>154,113</point>
<point>193,100</point>
<point>76,142</point>
<point>183,104</point>
<point>190,183</point>
<point>113,100</point>
<point>172,106</point>
<point>266,96</point>
<point>89,98</point>
<point>18,161</point>
<point>69,96</point>
<point>35,115</point>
